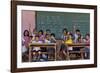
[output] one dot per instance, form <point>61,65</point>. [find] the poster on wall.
<point>52,36</point>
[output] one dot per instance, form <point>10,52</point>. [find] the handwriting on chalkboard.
<point>56,21</point>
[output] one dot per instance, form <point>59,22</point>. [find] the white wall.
<point>5,36</point>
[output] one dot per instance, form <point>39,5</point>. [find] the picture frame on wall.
<point>52,36</point>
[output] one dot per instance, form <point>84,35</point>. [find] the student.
<point>64,35</point>
<point>52,39</point>
<point>34,34</point>
<point>76,35</point>
<point>63,48</point>
<point>25,45</point>
<point>41,36</point>
<point>63,51</point>
<point>36,50</point>
<point>44,34</point>
<point>69,39</point>
<point>47,38</point>
<point>80,39</point>
<point>44,57</point>
<point>87,48</point>
<point>51,50</point>
<point>77,39</point>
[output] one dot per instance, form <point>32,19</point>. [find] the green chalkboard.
<point>56,21</point>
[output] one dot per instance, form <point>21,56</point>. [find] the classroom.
<point>55,36</point>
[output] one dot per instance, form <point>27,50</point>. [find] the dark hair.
<point>71,34</point>
<point>52,34</point>
<point>41,31</point>
<point>25,32</point>
<point>77,30</point>
<point>87,34</point>
<point>48,31</point>
<point>65,29</point>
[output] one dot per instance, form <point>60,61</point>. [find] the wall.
<point>5,37</point>
<point>28,20</point>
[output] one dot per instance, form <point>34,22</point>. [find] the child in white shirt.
<point>36,50</point>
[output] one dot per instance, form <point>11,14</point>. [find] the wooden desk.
<point>41,45</point>
<point>79,45</point>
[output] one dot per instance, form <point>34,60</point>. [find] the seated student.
<point>47,38</point>
<point>80,39</point>
<point>63,48</point>
<point>76,35</point>
<point>52,39</point>
<point>77,39</point>
<point>69,39</point>
<point>36,50</point>
<point>41,36</point>
<point>51,51</point>
<point>87,48</point>
<point>44,34</point>
<point>25,45</point>
<point>34,33</point>
<point>64,35</point>
<point>48,31</point>
<point>42,39</point>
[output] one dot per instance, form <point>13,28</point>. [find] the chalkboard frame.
<point>14,35</point>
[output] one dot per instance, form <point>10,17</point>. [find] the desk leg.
<point>55,54</point>
<point>30,54</point>
<point>82,54</point>
<point>67,55</point>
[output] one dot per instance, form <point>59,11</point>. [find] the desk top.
<point>78,44</point>
<point>54,44</point>
<point>42,44</point>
